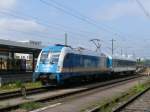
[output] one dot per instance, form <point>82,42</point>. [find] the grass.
<point>30,106</point>
<point>139,87</point>
<point>107,105</point>
<point>16,86</point>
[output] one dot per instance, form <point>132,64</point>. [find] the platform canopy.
<point>9,48</point>
<point>19,47</point>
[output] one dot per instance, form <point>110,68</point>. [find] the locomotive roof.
<point>53,48</point>
<point>83,52</point>
<point>124,58</point>
<point>69,49</point>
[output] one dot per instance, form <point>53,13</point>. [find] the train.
<point>59,64</point>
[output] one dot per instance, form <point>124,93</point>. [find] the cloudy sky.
<point>82,20</point>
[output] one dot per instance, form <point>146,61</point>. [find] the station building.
<point>18,59</point>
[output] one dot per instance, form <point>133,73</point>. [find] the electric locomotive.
<point>57,64</point>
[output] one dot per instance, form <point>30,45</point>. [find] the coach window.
<point>114,63</point>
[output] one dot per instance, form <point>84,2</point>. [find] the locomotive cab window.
<point>54,58</point>
<point>49,57</point>
<point>44,57</point>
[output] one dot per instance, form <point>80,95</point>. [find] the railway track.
<point>18,93</point>
<point>137,103</point>
<point>71,92</point>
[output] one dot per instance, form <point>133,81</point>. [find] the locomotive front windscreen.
<point>49,57</point>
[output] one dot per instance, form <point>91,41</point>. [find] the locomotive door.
<point>68,64</point>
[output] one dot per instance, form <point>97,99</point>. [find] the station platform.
<point>13,68</point>
<point>8,78</point>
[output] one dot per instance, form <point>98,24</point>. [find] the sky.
<point>82,20</point>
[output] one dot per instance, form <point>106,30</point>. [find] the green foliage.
<point>18,84</point>
<point>123,97</point>
<point>108,104</point>
<point>139,88</point>
<point>30,106</point>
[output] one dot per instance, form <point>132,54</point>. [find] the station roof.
<point>19,47</point>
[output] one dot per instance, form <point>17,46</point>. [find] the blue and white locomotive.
<point>57,64</point>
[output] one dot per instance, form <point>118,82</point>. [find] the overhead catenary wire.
<point>53,38</point>
<point>19,14</point>
<point>43,23</point>
<point>143,8</point>
<point>62,28</point>
<point>57,6</point>
<point>70,11</point>
<point>81,33</point>
<point>32,33</point>
<point>43,36</point>
<point>47,25</point>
